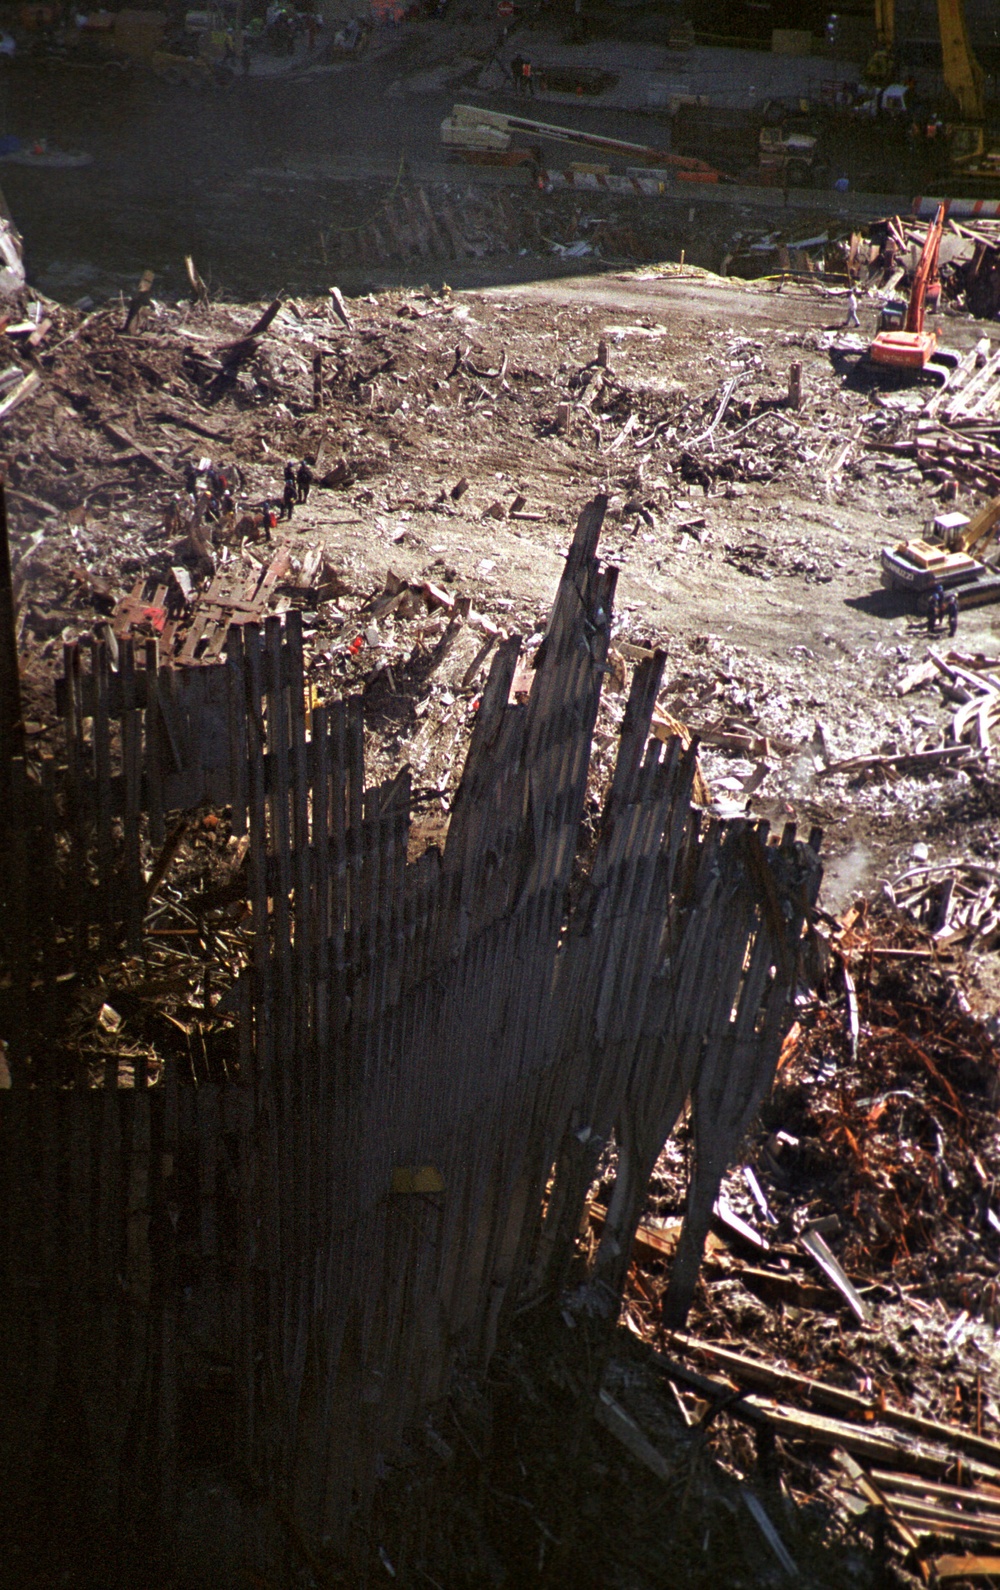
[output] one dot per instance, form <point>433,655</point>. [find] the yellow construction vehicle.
<point>881,67</point>
<point>973,153</point>
<point>962,72</point>
<point>973,538</point>
<point>959,559</point>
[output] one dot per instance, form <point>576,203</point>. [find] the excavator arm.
<point>885,24</point>
<point>880,66</point>
<point>913,348</point>
<point>976,536</point>
<point>962,72</point>
<point>925,273</point>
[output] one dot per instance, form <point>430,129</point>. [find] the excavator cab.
<point>893,316</point>
<point>971,154</point>
<point>967,140</point>
<point>913,347</point>
<point>904,350</point>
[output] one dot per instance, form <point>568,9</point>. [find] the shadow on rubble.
<point>882,603</point>
<point>519,1483</point>
<point>508,1484</point>
<point>859,374</point>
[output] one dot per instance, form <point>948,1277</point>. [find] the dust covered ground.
<point>749,552</point>
<point>460,435</point>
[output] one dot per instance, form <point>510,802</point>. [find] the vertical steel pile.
<point>430,1039</point>
<point>422,1042</point>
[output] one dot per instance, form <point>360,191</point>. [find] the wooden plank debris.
<point>232,598</point>
<point>193,628</point>
<point>466,991</point>
<point>821,1394</point>
<point>870,1492</point>
<point>340,308</point>
<point>199,292</point>
<point>125,439</point>
<point>623,1427</point>
<point>914,759</point>
<point>758,1512</point>
<point>25,389</point>
<point>970,1566</point>
<point>139,301</point>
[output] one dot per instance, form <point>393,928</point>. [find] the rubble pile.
<point>457,438</point>
<point>880,1139</point>
<point>952,436</point>
<point>881,259</point>
<point>831,1411</point>
<point>452,440</point>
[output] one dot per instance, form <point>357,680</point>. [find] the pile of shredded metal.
<point>882,1120</point>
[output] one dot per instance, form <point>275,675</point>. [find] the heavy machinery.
<point>787,157</point>
<point>472,130</point>
<point>974,155</point>
<point>914,347</point>
<point>787,144</point>
<point>881,66</point>
<point>958,559</point>
<point>962,72</point>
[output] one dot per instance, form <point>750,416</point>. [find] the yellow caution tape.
<point>417,1179</point>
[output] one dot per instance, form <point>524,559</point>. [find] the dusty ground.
<point>752,557</point>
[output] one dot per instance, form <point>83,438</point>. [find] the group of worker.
<point>212,494</point>
<point>211,491</point>
<point>942,608</point>
<point>298,479</point>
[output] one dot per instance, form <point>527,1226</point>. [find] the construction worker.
<point>288,498</point>
<point>268,520</point>
<point>935,608</point>
<point>303,480</point>
<point>527,79</point>
<point>852,309</point>
<point>951,612</point>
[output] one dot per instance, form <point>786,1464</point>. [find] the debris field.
<point>455,440</point>
<point>830,1413</point>
<point>832,1410</point>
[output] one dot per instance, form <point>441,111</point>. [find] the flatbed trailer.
<point>472,127</point>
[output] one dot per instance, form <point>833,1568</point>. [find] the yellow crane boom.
<point>979,529</point>
<point>962,72</point>
<point>885,24</point>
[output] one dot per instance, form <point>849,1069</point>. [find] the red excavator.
<point>913,348</point>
